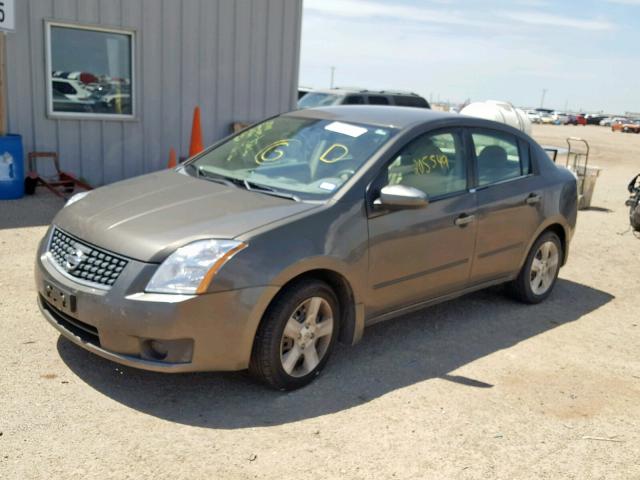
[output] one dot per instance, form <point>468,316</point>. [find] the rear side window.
<point>353,100</point>
<point>410,101</point>
<point>378,100</point>
<point>498,156</point>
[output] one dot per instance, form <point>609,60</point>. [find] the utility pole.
<point>333,71</point>
<point>566,105</point>
<point>544,93</point>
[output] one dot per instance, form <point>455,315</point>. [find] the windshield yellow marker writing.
<point>263,155</point>
<point>345,152</point>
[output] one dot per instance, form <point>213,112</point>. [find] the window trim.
<point>476,169</point>
<point>48,23</point>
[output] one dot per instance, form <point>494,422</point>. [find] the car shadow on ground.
<point>392,355</point>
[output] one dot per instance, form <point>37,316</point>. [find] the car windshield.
<point>316,99</point>
<point>304,158</point>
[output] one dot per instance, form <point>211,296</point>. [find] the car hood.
<point>148,217</point>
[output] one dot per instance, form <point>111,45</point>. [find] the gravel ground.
<point>479,387</point>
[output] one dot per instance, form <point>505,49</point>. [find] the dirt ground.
<point>480,387</point>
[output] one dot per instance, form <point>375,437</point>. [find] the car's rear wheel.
<point>296,335</point>
<point>540,271</point>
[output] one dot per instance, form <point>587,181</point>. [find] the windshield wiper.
<point>233,181</point>
<point>214,177</point>
<point>251,186</point>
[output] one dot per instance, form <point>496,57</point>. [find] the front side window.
<point>90,71</point>
<point>434,163</point>
<point>310,158</point>
<point>498,157</point>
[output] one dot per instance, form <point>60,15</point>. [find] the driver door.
<point>423,253</point>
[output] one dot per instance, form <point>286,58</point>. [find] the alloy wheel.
<point>544,268</point>
<point>306,337</point>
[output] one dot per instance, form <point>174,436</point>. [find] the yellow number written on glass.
<point>429,163</point>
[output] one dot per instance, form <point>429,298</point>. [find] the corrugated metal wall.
<point>237,59</point>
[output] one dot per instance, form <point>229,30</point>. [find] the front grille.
<point>86,332</point>
<point>83,261</point>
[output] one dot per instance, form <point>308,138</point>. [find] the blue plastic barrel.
<point>11,167</point>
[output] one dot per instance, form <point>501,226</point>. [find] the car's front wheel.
<point>540,271</point>
<point>296,335</point>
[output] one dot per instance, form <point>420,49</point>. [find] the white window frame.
<point>81,115</point>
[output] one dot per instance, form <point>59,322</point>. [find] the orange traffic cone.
<point>172,159</point>
<point>196,134</point>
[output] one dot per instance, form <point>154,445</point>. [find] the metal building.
<point>111,84</point>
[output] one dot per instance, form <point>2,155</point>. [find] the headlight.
<point>76,197</point>
<point>191,268</point>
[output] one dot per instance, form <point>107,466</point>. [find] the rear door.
<point>420,254</point>
<point>510,203</point>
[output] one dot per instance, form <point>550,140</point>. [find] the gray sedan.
<point>269,247</point>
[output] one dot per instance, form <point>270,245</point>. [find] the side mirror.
<point>402,196</point>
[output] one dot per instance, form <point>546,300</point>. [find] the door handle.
<point>464,220</point>
<point>533,199</point>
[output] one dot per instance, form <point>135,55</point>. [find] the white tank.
<point>497,111</point>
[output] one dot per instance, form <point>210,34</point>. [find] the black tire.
<point>520,288</point>
<point>266,363</point>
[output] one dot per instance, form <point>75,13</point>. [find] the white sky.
<point>585,53</point>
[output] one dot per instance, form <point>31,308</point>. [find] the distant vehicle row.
<point>626,126</point>
<point>311,98</point>
<point>552,117</point>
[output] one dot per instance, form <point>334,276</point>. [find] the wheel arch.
<point>559,230</point>
<point>352,311</point>
<point>556,226</point>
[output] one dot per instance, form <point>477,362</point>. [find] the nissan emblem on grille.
<point>83,261</point>
<point>73,260</point>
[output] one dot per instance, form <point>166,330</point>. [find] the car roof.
<point>362,91</point>
<point>384,116</point>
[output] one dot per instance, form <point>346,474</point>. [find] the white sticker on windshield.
<point>328,186</point>
<point>346,129</point>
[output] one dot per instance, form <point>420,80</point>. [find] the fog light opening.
<point>157,349</point>
<point>167,351</point>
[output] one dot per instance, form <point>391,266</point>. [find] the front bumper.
<point>200,332</point>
